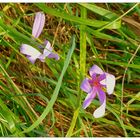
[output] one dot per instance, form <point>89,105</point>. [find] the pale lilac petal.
<point>99,112</point>
<point>29,50</point>
<point>93,78</point>
<point>38,24</point>
<point>46,43</point>
<point>101,95</point>
<point>54,55</point>
<point>95,69</point>
<point>31,53</point>
<point>89,98</point>
<point>31,59</point>
<point>48,50</point>
<point>110,83</point>
<point>94,75</point>
<point>85,86</point>
<point>102,79</point>
<point>42,58</point>
<point>103,82</point>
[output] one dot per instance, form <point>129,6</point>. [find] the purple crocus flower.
<point>31,53</point>
<point>99,83</point>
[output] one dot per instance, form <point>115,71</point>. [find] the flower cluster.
<point>31,53</point>
<point>99,83</point>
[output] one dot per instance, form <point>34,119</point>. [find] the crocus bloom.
<point>31,53</point>
<point>99,83</point>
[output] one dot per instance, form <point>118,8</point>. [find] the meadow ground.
<point>44,99</point>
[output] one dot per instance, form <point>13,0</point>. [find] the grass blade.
<point>82,70</point>
<point>89,22</point>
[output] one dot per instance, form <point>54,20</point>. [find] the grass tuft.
<point>45,99</point>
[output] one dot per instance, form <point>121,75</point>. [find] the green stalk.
<point>82,70</point>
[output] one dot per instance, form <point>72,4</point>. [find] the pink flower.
<point>31,53</point>
<point>97,85</point>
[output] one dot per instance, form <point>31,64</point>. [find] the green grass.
<point>45,99</point>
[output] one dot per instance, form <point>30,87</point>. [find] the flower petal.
<point>101,95</point>
<point>89,98</point>
<point>95,69</point>
<point>110,83</point>
<point>29,50</point>
<point>102,79</point>
<point>38,24</point>
<point>54,55</point>
<point>94,75</point>
<point>48,50</point>
<point>99,112</point>
<point>85,86</point>
<point>31,59</point>
<point>31,53</point>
